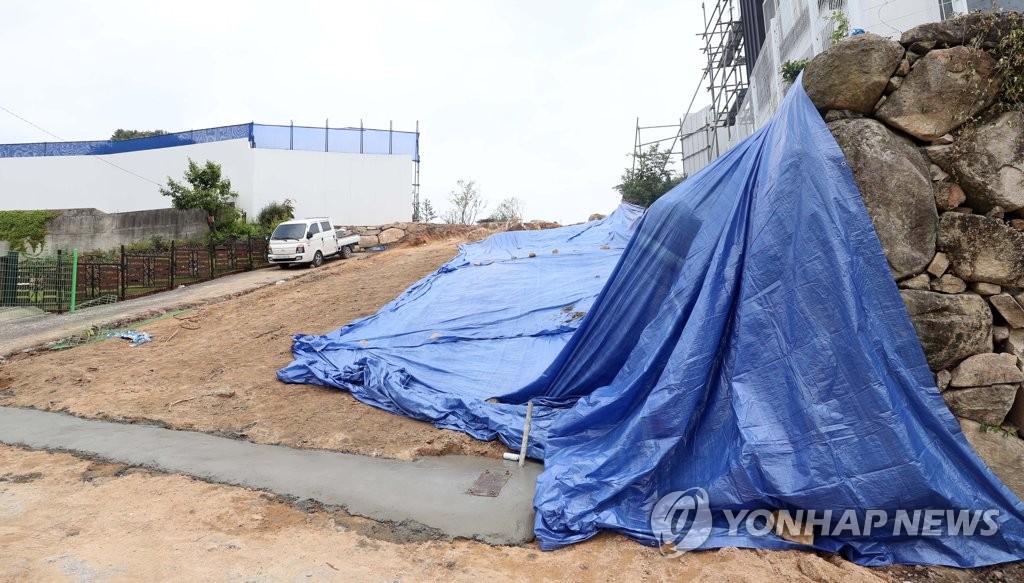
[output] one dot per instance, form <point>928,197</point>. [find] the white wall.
<point>800,29</point>
<point>53,182</point>
<point>892,19</point>
<point>353,189</point>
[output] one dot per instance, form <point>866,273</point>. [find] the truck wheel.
<point>346,252</point>
<point>318,260</point>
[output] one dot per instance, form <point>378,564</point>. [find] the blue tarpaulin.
<point>496,314</point>
<point>744,336</point>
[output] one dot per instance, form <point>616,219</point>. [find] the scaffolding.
<point>701,136</point>
<point>416,210</point>
<point>726,70</point>
<point>689,142</point>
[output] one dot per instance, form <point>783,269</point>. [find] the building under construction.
<point>730,27</point>
<point>746,42</point>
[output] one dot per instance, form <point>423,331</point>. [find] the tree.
<point>509,210</point>
<point>649,178</point>
<point>467,202</point>
<point>276,213</point>
<point>121,134</point>
<point>423,211</point>
<point>206,190</point>
<point>427,212</point>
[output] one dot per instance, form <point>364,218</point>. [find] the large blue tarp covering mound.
<point>473,330</point>
<point>749,342</point>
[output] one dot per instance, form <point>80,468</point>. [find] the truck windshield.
<point>292,231</point>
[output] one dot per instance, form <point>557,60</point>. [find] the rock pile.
<point>394,233</point>
<point>939,160</point>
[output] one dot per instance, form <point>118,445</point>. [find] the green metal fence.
<point>67,281</point>
<point>41,282</point>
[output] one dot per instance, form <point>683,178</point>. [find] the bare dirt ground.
<point>213,369</point>
<point>235,347</point>
<point>62,518</point>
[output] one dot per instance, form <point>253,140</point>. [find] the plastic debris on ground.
<point>137,338</point>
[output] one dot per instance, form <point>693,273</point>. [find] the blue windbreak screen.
<point>104,147</point>
<point>342,140</point>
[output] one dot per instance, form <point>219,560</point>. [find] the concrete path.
<point>35,331</point>
<point>430,491</point>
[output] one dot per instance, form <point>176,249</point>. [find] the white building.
<point>356,176</point>
<point>799,29</point>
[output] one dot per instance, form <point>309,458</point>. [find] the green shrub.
<point>791,70</point>
<point>1009,56</point>
<point>18,226</point>
<point>842,26</point>
<point>276,213</point>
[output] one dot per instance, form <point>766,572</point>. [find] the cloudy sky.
<point>533,99</point>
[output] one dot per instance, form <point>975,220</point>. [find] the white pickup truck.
<point>308,241</point>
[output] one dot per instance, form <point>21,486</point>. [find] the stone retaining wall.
<point>88,229</point>
<point>394,233</point>
<point>939,160</point>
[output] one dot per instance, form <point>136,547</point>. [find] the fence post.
<point>58,280</point>
<point>170,278</point>
<point>9,289</point>
<point>124,275</point>
<point>248,246</point>
<point>74,278</point>
<point>213,258</point>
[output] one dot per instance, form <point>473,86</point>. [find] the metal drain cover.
<point>490,483</point>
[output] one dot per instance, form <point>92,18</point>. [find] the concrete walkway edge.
<point>430,491</point>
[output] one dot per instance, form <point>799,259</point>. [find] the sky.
<point>530,99</point>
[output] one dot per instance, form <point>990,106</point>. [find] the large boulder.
<point>1002,452</point>
<point>982,249</point>
<point>391,235</point>
<point>987,405</point>
<point>973,28</point>
<point>1009,309</point>
<point>1015,345</point>
<point>989,158</point>
<point>950,327</point>
<point>892,175</point>
<point>945,88</point>
<point>852,74</point>
<point>982,370</point>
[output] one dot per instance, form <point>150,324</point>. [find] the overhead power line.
<point>98,157</point>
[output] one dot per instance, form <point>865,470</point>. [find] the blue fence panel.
<point>376,142</point>
<point>271,137</point>
<point>345,140</point>
<point>406,143</point>
<point>310,139</point>
<point>341,140</point>
<point>104,147</point>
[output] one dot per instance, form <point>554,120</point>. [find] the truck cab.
<point>304,241</point>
